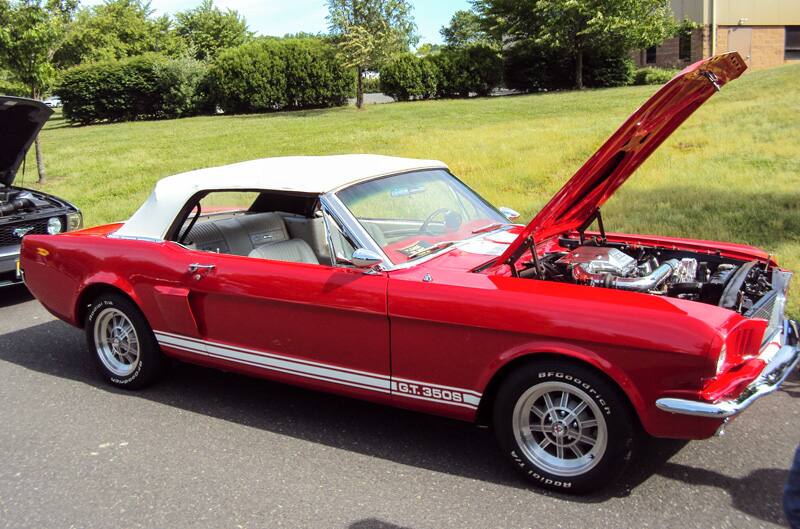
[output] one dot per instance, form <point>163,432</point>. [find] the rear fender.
<point>95,284</point>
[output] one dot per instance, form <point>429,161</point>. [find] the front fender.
<point>539,349</point>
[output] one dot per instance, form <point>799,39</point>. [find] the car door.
<point>318,325</point>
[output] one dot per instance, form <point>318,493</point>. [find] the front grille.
<point>769,308</point>
<point>763,309</point>
<point>38,227</point>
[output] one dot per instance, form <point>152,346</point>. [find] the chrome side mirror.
<point>365,258</point>
<point>509,213</point>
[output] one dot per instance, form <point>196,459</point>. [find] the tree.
<point>369,32</point>
<point>31,31</point>
<point>578,26</point>
<point>427,49</point>
<point>118,29</point>
<point>465,29</point>
<point>207,29</point>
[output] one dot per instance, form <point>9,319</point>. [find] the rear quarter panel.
<point>58,269</point>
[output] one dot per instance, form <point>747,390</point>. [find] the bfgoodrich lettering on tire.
<point>564,426</point>
<point>121,343</point>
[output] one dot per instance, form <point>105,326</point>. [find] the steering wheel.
<point>452,221</point>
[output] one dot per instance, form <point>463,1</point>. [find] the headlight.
<point>721,360</point>
<point>74,221</point>
<point>54,226</point>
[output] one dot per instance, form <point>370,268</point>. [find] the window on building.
<point>650,55</point>
<point>792,42</point>
<point>685,46</point>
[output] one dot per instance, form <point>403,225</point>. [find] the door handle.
<point>196,267</point>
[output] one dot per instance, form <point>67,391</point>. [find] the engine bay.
<point>742,286</point>
<point>15,201</point>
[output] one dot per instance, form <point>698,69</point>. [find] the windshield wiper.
<point>489,227</point>
<point>430,249</point>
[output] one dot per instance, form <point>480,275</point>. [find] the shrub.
<point>148,86</point>
<point>603,70</point>
<point>249,78</point>
<point>463,71</point>
<point>181,87</point>
<point>407,76</point>
<point>275,74</point>
<point>650,75</point>
<point>531,67</point>
<point>315,76</point>
<point>372,85</point>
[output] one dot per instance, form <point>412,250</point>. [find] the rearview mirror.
<point>365,258</point>
<point>509,213</point>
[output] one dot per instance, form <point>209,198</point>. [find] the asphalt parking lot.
<point>211,449</point>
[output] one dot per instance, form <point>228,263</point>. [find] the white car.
<point>53,102</point>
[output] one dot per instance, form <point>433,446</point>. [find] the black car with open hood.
<point>25,211</point>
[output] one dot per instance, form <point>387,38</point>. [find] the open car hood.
<point>594,183</point>
<point>20,121</point>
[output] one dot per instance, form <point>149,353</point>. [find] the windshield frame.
<point>335,205</point>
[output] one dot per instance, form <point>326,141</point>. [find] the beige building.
<point>765,32</point>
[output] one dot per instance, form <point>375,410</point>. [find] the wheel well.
<point>91,293</point>
<point>486,406</point>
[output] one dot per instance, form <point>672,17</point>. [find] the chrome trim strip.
<point>133,238</point>
<point>778,368</point>
<point>10,254</point>
<point>347,221</point>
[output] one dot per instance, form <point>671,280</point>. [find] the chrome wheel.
<point>116,342</point>
<point>560,428</point>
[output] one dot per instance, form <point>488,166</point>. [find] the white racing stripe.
<point>324,372</point>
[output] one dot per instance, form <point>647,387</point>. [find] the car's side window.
<point>265,225</point>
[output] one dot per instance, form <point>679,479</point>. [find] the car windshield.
<point>415,214</point>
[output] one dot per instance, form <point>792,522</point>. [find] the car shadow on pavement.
<point>410,438</point>
<point>792,385</point>
<point>374,523</point>
<point>14,295</point>
<point>757,494</point>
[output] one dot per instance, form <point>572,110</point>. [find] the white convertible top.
<point>300,174</point>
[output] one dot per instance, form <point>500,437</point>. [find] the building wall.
<point>667,54</point>
<point>758,12</point>
<point>767,45</point>
<point>766,19</point>
<point>731,12</point>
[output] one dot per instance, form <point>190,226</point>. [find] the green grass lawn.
<point>731,173</point>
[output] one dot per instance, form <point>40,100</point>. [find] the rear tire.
<point>121,343</point>
<point>564,426</point>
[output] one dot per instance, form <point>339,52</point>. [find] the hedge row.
<point>265,75</point>
<point>268,75</point>
<point>526,67</point>
<point>144,87</point>
<point>454,72</point>
<point>649,75</point>
<point>530,67</point>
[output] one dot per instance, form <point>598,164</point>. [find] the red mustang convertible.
<point>390,280</point>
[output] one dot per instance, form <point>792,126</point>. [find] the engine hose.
<point>15,206</point>
<point>635,284</point>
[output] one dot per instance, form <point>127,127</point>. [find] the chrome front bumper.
<point>778,368</point>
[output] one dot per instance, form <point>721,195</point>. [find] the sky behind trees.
<point>278,17</point>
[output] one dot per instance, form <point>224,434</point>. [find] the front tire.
<point>121,343</point>
<point>564,426</point>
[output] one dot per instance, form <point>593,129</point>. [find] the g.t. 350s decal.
<point>413,389</point>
